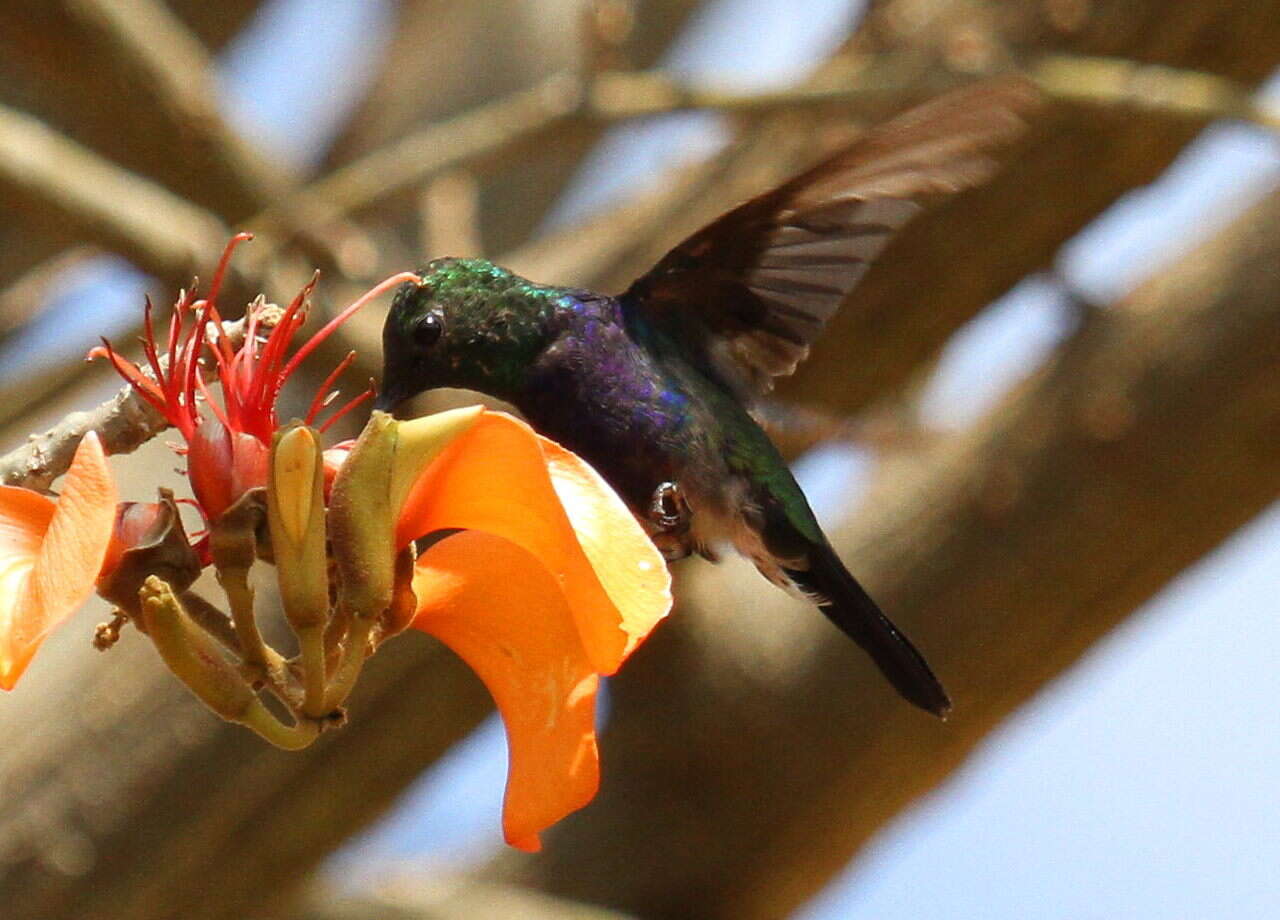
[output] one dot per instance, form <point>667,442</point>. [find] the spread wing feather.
<point>752,290</point>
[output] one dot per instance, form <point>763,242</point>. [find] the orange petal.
<point>494,478</point>
<point>24,519</point>
<point>501,611</point>
<point>50,554</point>
<point>630,568</point>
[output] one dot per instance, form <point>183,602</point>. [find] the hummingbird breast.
<point>637,413</point>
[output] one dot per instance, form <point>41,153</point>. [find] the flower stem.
<point>314,671</point>
<point>235,582</point>
<point>289,737</point>
<point>354,651</point>
<point>261,661</point>
<point>211,620</point>
<point>233,542</point>
<point>233,545</point>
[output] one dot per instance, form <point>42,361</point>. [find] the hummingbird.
<point>655,387</point>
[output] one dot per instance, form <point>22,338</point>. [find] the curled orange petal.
<point>24,519</point>
<point>493,477</point>
<point>630,568</point>
<point>50,554</point>
<point>500,610</point>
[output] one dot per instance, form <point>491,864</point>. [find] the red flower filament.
<point>226,453</point>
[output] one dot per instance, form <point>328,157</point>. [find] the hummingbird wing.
<point>752,290</point>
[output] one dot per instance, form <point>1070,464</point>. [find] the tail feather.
<point>849,607</point>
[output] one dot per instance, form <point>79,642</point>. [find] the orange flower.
<point>50,554</point>
<point>551,584</point>
<point>542,581</point>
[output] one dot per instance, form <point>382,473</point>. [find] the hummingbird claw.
<point>668,509</point>
<point>668,522</point>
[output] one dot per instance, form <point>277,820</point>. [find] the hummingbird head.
<point>467,323</point>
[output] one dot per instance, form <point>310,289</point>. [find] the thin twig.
<point>1119,81</point>
<point>1099,80</point>
<point>124,423</point>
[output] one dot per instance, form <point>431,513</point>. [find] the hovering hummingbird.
<point>652,387</point>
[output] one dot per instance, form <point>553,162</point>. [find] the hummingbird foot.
<point>668,510</point>
<point>669,521</point>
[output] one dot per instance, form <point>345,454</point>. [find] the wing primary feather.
<point>764,278</point>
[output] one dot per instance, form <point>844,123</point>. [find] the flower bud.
<point>295,517</point>
<point>368,493</point>
<point>148,539</point>
<point>191,653</point>
<point>223,465</point>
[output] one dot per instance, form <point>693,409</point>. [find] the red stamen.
<point>153,361</point>
<point>132,375</point>
<point>216,286</point>
<point>251,329</point>
<point>289,324</point>
<point>175,326</point>
<point>314,342</point>
<point>242,237</point>
<point>363,397</point>
<point>211,402</point>
<point>190,358</point>
<point>320,400</point>
<point>149,339</point>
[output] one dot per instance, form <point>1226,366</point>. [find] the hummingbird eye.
<point>427,330</point>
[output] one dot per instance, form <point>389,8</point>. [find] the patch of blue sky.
<point>291,77</point>
<point>1227,168</point>
<point>100,297</point>
<point>1141,784</point>
<point>450,817</point>
<point>993,351</point>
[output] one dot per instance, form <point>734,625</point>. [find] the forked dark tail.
<point>860,618</point>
